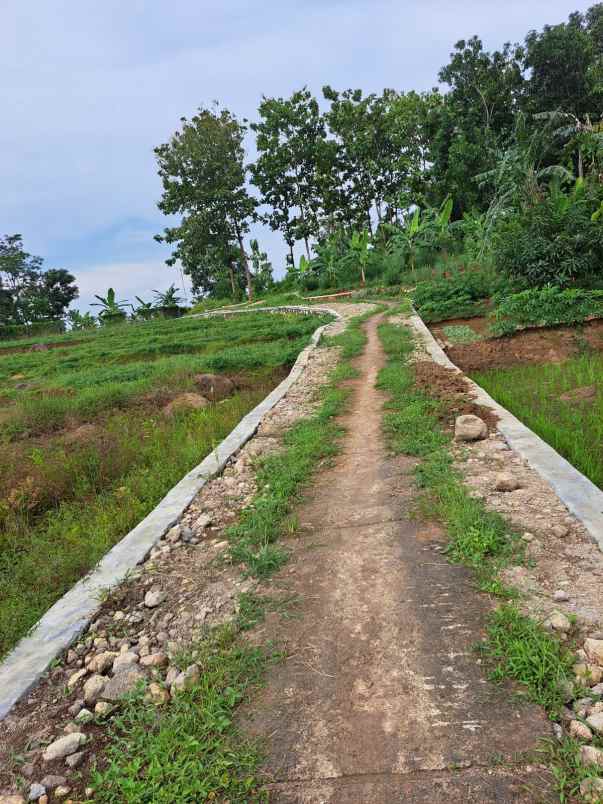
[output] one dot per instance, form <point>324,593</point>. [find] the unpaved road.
<point>381,698</point>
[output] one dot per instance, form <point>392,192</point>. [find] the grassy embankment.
<point>68,493</point>
<point>561,402</point>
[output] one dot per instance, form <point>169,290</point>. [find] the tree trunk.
<point>378,208</point>
<point>232,281</point>
<point>291,254</point>
<point>245,262</point>
<point>307,247</point>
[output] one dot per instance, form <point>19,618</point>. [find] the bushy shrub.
<point>35,328</point>
<point>554,241</point>
<point>546,307</point>
<point>461,295</point>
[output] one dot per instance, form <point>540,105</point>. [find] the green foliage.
<point>27,293</point>
<point>523,650</point>
<point>554,240</point>
<point>167,298</point>
<point>545,307</point>
<point>111,309</point>
<point>81,321</point>
<point>461,334</point>
<point>34,329</point>
<point>460,295</point>
<point>190,750</point>
<point>203,176</point>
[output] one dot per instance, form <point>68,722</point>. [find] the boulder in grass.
<point>185,402</point>
<point>470,428</point>
<point>214,387</point>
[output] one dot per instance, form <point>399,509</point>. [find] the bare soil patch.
<point>544,345</point>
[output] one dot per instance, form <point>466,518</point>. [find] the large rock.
<point>470,428</point>
<point>123,682</point>
<point>185,402</point>
<point>580,731</point>
<point>214,387</point>
<point>594,650</point>
<point>64,746</point>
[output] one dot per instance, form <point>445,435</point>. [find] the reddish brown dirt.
<point>380,698</point>
<point>453,391</point>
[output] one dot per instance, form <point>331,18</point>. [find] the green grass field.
<point>561,402</point>
<point>68,493</point>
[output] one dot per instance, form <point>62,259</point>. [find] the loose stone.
<point>470,428</point>
<point>75,760</point>
<point>596,722</point>
<point>76,677</point>
<point>186,680</point>
<point>580,731</point>
<point>53,780</point>
<point>154,598</point>
<point>35,791</point>
<point>557,622</point>
<point>84,716</point>
<point>589,755</point>
<point>123,682</point>
<point>506,482</point>
<point>560,596</point>
<point>64,746</point>
<point>93,688</point>
<point>594,650</point>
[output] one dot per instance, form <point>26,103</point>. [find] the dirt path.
<point>381,698</point>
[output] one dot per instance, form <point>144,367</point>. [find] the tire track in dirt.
<point>381,697</point>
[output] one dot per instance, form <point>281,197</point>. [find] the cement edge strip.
<point>61,625</point>
<point>580,496</point>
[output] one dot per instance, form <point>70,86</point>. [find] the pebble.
<point>103,708</point>
<point>35,791</point>
<point>596,722</point>
<point>580,731</point>
<point>84,716</point>
<point>594,650</point>
<point>93,688</point>
<point>557,622</point>
<point>506,482</point>
<point>154,598</point>
<point>75,760</point>
<point>187,679</point>
<point>123,682</point>
<point>589,755</point>
<point>76,677</point>
<point>64,746</point>
<point>53,780</point>
<point>62,791</point>
<point>560,531</point>
<point>560,596</point>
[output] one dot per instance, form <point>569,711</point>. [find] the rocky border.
<point>68,617</point>
<point>581,497</point>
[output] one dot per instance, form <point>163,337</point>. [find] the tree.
<point>566,66</point>
<point>477,115</point>
<point>203,175</point>
<point>27,293</point>
<point>262,268</point>
<point>290,169</point>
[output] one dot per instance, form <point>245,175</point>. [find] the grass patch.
<point>562,403</point>
<point>521,649</point>
<point>461,333</point>
<point>191,750</point>
<point>479,538</point>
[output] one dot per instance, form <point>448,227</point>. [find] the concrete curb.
<point>69,616</point>
<point>581,497</point>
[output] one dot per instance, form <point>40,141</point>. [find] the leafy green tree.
<point>27,293</point>
<point>290,168</point>
<point>476,116</point>
<point>203,175</point>
<point>566,66</point>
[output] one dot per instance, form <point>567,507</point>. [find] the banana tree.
<point>360,251</point>
<point>112,310</point>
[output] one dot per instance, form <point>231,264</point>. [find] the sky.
<point>89,88</point>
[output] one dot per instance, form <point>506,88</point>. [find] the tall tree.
<point>27,292</point>
<point>477,114</point>
<point>203,175</point>
<point>566,66</point>
<point>290,141</point>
